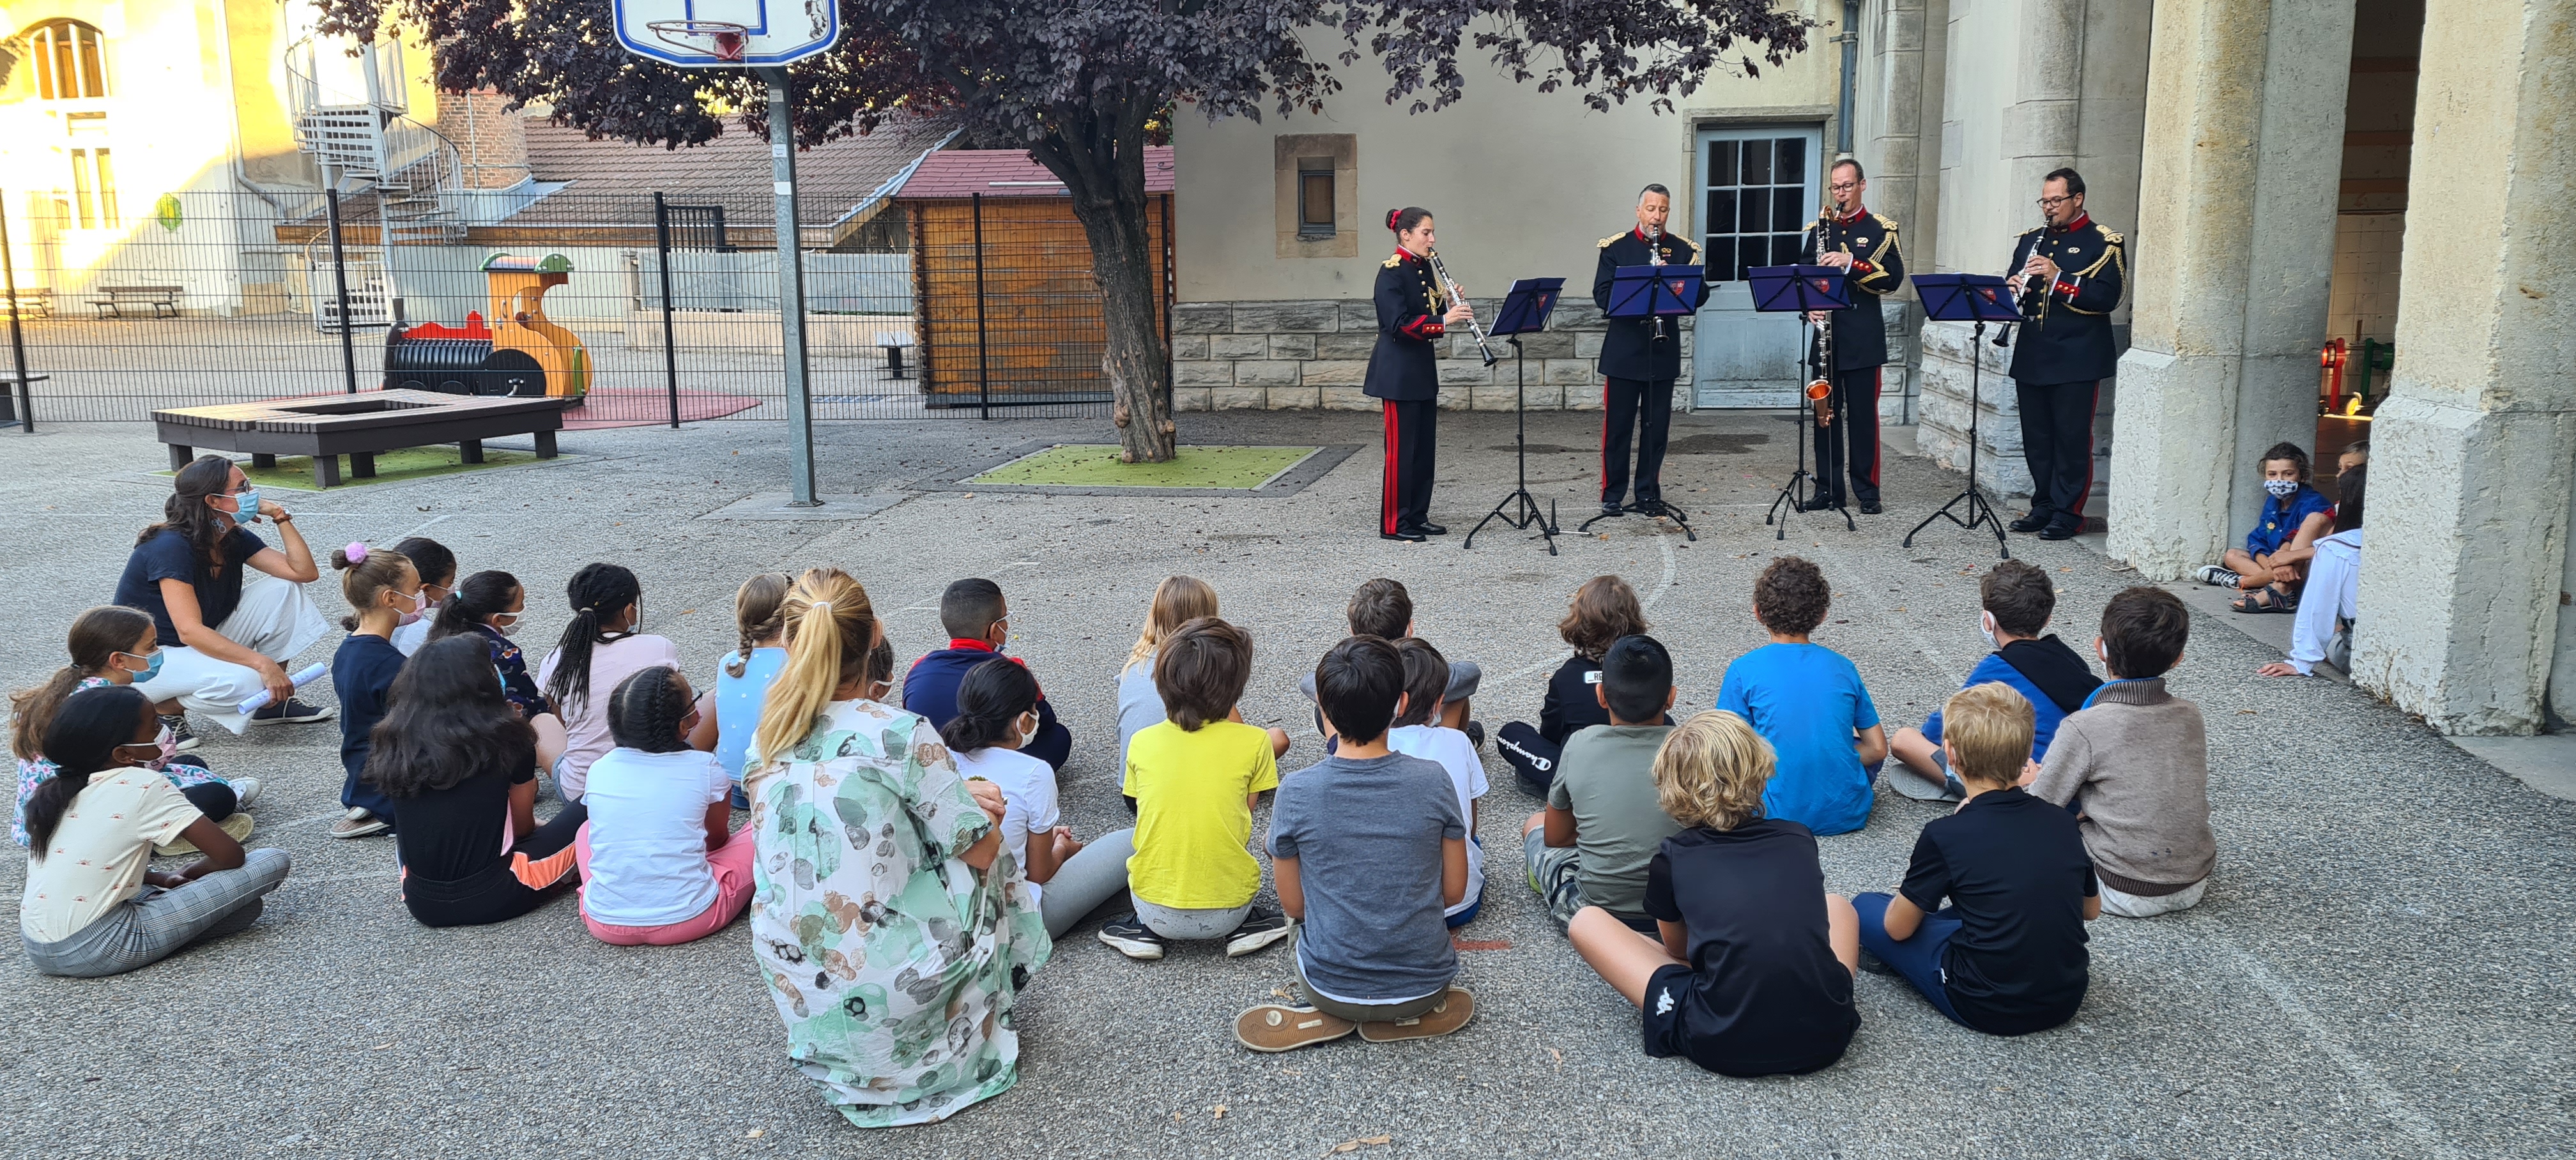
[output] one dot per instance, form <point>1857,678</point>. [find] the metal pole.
<point>670,353</point>
<point>340,276</point>
<point>791,292</point>
<point>17,340</point>
<point>983,364</point>
<point>1850,38</point>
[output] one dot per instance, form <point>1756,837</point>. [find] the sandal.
<point>1274,1027</point>
<point>1452,1012</point>
<point>2260,600</point>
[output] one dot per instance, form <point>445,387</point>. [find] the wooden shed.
<point>1004,304</point>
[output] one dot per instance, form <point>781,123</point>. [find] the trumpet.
<point>1456,294</point>
<point>1820,390</point>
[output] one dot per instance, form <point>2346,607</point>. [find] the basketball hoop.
<point>723,39</point>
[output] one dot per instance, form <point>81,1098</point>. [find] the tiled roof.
<point>731,171</point>
<point>1010,173</point>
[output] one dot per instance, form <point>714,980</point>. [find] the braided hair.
<point>757,615</point>
<point>82,740</point>
<point>992,695</point>
<point>597,592</point>
<point>646,710</point>
<point>474,598</point>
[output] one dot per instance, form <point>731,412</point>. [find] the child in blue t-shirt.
<point>1808,702</point>
<point>2274,561</point>
<point>2017,600</point>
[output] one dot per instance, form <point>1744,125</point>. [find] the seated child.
<point>1383,609</point>
<point>383,590</point>
<point>92,905</point>
<point>729,713</point>
<point>1604,609</point>
<point>2018,600</point>
<point>437,568</point>
<point>2274,561</point>
<point>659,866</point>
<point>1808,702</point>
<point>1751,964</point>
<point>2354,454</point>
<point>2135,763</point>
<point>113,646</point>
<point>488,605</point>
<point>1194,779</point>
<point>1177,600</point>
<point>978,621</point>
<point>1418,733</point>
<point>2007,956</point>
<point>460,766</point>
<point>1602,824</point>
<point>603,645</point>
<point>2327,610</point>
<point>1367,847</point>
<point>997,709</point>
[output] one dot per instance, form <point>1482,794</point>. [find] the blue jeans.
<point>1917,958</point>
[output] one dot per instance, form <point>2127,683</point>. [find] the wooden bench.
<point>31,302</point>
<point>359,426</point>
<point>117,300</point>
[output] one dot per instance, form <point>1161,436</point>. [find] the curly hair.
<point>1711,769</point>
<point>646,710</point>
<point>1791,597</point>
<point>1603,610</point>
<point>990,697</point>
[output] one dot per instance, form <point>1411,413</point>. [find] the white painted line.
<point>422,528</point>
<point>2426,1133</point>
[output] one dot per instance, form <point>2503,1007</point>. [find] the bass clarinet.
<point>1820,389</point>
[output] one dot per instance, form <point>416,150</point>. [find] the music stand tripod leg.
<point>1524,506</point>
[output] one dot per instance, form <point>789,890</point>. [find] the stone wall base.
<point>1942,431</point>
<point>1314,354</point>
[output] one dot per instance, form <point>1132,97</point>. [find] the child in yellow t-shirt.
<point>1194,779</point>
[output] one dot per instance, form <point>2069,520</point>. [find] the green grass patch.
<point>1097,465</point>
<point>295,472</point>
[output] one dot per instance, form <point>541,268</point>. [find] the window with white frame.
<point>94,189</point>
<point>70,59</point>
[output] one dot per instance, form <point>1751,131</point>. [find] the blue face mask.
<point>2284,488</point>
<point>151,667</point>
<point>248,510</point>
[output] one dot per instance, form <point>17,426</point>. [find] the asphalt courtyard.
<point>2379,970</point>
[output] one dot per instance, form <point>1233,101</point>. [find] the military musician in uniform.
<point>1849,237</point>
<point>1413,311</point>
<point>2070,274</point>
<point>1640,359</point>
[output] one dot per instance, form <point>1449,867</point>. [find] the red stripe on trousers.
<point>1386,482</point>
<point>2087,493</point>
<point>1877,447</point>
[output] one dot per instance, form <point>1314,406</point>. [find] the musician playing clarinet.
<point>1850,237</point>
<point>1640,358</point>
<point>1413,311</point>
<point>2070,274</point>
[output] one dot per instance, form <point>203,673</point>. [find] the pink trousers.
<point>730,863</point>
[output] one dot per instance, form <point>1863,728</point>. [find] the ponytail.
<point>82,740</point>
<point>596,592</point>
<point>992,695</point>
<point>1407,218</point>
<point>96,637</point>
<point>830,627</point>
<point>475,597</point>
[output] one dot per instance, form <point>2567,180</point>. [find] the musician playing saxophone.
<point>1640,357</point>
<point>1414,311</point>
<point>1849,237</point>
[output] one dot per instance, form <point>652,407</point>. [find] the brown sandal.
<point>2271,598</point>
<point>1273,1027</point>
<point>1452,1012</point>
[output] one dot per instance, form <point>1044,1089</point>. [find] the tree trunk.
<point>1102,161</point>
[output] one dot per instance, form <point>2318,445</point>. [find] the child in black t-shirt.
<point>1604,609</point>
<point>1753,973</point>
<point>2007,956</point>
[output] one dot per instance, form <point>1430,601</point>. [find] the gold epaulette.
<point>2107,234</point>
<point>1884,222</point>
<point>1605,242</point>
<point>1392,262</point>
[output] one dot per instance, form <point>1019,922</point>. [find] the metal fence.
<point>228,297</point>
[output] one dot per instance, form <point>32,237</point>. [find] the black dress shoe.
<point>1406,534</point>
<point>1819,504</point>
<point>1610,507</point>
<point>1869,507</point>
<point>2061,531</point>
<point>2033,522</point>
<point>1428,528</point>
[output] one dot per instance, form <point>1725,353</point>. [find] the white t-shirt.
<point>99,850</point>
<point>586,726</point>
<point>409,637</point>
<point>1028,798</point>
<point>1451,749</point>
<point>648,836</point>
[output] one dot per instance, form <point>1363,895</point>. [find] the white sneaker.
<point>244,789</point>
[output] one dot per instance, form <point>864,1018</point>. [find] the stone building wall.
<point>1311,354</point>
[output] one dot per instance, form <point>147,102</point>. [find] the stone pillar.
<point>2230,266</point>
<point>2472,455</point>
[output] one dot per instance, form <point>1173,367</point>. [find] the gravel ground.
<point>2372,974</point>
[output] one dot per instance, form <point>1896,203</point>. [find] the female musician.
<point>1413,312</point>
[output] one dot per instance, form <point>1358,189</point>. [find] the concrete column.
<point>1894,91</point>
<point>2473,453</point>
<point>2230,265</point>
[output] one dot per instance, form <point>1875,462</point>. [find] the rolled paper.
<point>260,700</point>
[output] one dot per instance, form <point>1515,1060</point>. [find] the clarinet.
<point>2034,298</point>
<point>1655,257</point>
<point>1457,294</point>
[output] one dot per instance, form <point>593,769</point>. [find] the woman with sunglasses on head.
<point>112,646</point>
<point>91,906</point>
<point>229,610</point>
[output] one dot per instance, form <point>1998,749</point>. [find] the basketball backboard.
<point>727,33</point>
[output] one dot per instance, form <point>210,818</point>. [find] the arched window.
<point>71,61</point>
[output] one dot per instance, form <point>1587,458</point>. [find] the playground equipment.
<point>519,353</point>
<point>2340,356</point>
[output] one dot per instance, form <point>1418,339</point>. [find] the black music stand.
<point>1801,289</point>
<point>1656,292</point>
<point>1524,309</point>
<point>1978,298</point>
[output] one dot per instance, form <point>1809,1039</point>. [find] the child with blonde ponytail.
<point>1178,600</point>
<point>855,802</point>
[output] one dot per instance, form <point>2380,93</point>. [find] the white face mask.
<point>2284,488</point>
<point>1028,726</point>
<point>2101,652</point>
<point>504,623</point>
<point>1986,625</point>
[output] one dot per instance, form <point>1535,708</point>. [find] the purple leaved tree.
<point>1081,82</point>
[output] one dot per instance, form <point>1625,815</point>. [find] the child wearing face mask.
<point>2018,600</point>
<point>490,605</point>
<point>114,646</point>
<point>383,589</point>
<point>437,582</point>
<point>997,714</point>
<point>658,865</point>
<point>2273,564</point>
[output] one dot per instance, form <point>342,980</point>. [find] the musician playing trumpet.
<point>1414,312</point>
<point>1849,237</point>
<point>1640,357</point>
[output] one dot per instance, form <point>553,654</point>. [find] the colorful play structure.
<point>518,353</point>
<point>2339,356</point>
